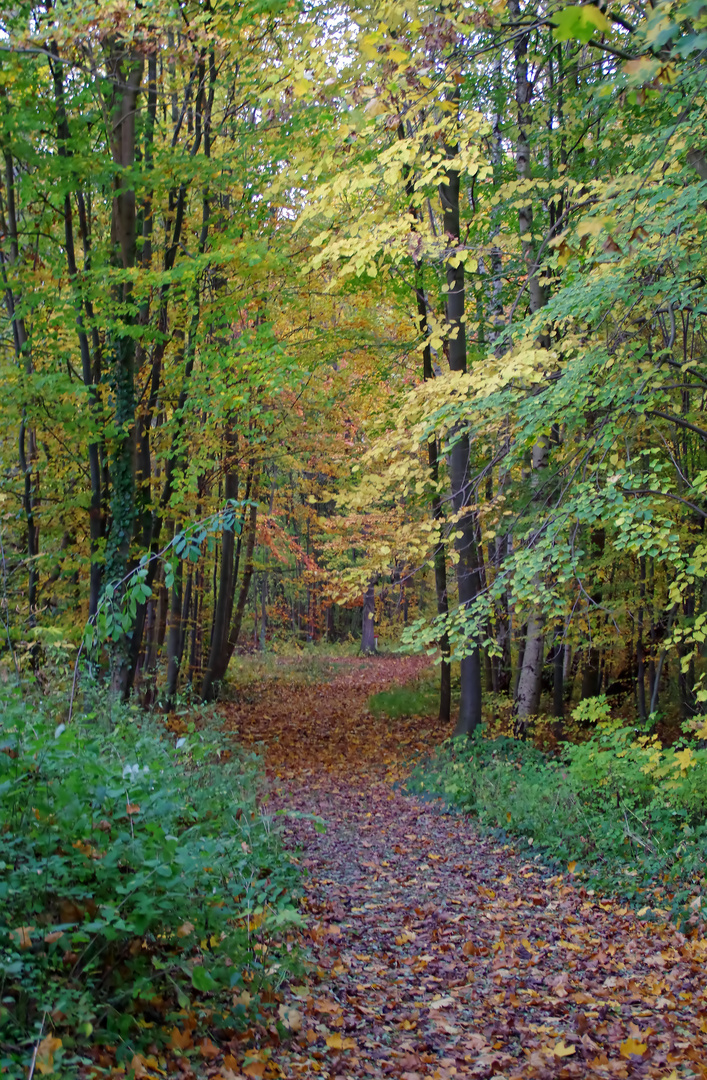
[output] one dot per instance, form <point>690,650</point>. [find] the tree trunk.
<point>529,682</point>
<point>175,635</point>
<point>558,675</point>
<point>27,442</point>
<point>468,565</point>
<point>224,600</point>
<point>368,632</point>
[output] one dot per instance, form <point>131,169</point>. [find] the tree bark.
<point>468,564</point>
<point>529,683</point>
<point>368,627</point>
<point>224,600</point>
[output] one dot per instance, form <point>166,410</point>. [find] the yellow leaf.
<point>300,87</point>
<point>571,866</point>
<point>338,1042</point>
<point>590,226</point>
<point>632,1046</point>
<point>563,1051</point>
<point>399,56</point>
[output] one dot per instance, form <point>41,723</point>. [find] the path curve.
<point>439,953</point>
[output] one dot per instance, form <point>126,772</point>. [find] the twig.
<point>36,1050</point>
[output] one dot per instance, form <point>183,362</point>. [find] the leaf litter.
<point>435,951</point>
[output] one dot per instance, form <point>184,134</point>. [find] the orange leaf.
<point>256,1068</point>
<point>207,1049</point>
<point>45,1054</point>
<point>180,1040</point>
<point>22,936</point>
<point>323,1005</point>
<point>132,808</point>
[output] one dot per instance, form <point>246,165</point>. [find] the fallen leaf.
<point>632,1048</point>
<point>208,1050</point>
<point>338,1042</point>
<point>255,1068</point>
<point>22,935</point>
<point>563,1051</point>
<point>45,1053</point>
<point>290,1017</point>
<point>180,1040</point>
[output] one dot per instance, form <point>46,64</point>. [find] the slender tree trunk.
<point>529,682</point>
<point>175,637</point>
<point>175,460</point>
<point>558,674</point>
<point>468,563</point>
<point>224,600</point>
<point>237,620</point>
<point>368,631</point>
<point>27,442</point>
<point>440,559</point>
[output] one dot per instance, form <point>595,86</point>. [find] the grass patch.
<point>419,698</point>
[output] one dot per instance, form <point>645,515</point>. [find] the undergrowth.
<point>139,885</point>
<point>625,814</point>
<point>419,698</point>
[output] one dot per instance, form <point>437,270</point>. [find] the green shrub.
<point>136,873</point>
<point>629,815</point>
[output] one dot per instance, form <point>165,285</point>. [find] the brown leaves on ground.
<point>437,952</point>
<point>314,727</point>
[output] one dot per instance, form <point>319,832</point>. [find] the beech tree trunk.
<point>529,682</point>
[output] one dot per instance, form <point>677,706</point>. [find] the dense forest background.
<point>391,310</point>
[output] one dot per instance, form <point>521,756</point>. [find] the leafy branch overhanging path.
<point>437,952</point>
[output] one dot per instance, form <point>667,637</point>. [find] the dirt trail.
<point>442,954</point>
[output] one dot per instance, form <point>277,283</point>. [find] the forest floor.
<point>435,951</point>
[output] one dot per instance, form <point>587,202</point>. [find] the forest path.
<point>437,952</point>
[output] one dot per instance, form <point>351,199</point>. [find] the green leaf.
<point>202,979</point>
<point>580,23</point>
